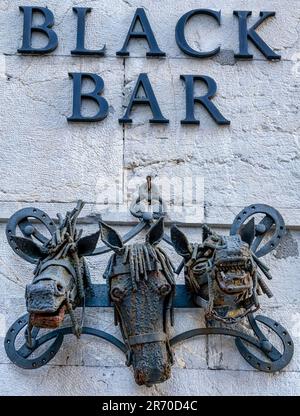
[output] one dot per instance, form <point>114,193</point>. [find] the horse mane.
<point>66,231</point>
<point>58,247</point>
<point>140,256</point>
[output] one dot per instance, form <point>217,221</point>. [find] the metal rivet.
<point>260,228</point>
<point>29,229</point>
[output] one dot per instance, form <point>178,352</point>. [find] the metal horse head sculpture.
<point>222,272</point>
<point>141,286</point>
<point>61,276</point>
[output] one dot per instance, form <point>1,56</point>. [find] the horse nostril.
<point>140,377</point>
<point>164,289</point>
<point>117,294</point>
<point>60,288</point>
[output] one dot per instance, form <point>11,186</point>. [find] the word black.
<point>146,33</point>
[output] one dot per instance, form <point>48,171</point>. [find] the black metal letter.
<point>146,33</point>
<point>180,36</point>
<point>45,28</point>
<point>149,99</point>
<point>78,95</point>
<point>80,49</point>
<point>205,100</point>
<point>245,34</point>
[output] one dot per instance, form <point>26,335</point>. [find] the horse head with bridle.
<point>221,272</point>
<point>141,287</point>
<point>61,276</point>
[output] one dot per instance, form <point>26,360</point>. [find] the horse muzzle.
<point>151,364</point>
<point>46,303</point>
<point>150,376</point>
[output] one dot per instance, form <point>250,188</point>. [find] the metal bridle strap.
<point>68,266</point>
<point>201,302</point>
<point>62,263</point>
<point>125,269</point>
<point>147,338</point>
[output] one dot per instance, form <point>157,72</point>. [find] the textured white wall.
<point>48,162</point>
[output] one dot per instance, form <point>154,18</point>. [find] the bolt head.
<point>147,216</point>
<point>28,229</point>
<point>260,228</point>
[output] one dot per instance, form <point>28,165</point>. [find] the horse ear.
<point>27,247</point>
<point>156,232</point>
<point>86,245</point>
<point>247,232</point>
<point>111,238</point>
<point>180,242</point>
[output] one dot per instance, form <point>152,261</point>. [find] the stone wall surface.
<point>50,163</point>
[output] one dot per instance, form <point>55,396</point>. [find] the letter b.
<point>78,95</point>
<point>45,28</point>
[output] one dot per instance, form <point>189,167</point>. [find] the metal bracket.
<point>276,360</point>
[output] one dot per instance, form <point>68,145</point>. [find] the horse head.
<point>220,272</point>
<point>61,276</point>
<point>141,287</point>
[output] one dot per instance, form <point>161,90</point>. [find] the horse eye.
<point>117,294</point>
<point>248,266</point>
<point>164,290</point>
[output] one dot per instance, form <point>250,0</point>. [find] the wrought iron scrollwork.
<point>230,264</point>
<point>21,356</point>
<point>275,360</point>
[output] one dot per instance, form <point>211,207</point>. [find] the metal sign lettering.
<point>145,32</point>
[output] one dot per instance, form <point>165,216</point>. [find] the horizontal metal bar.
<point>182,299</point>
<point>217,216</point>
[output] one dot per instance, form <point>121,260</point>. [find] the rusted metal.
<point>141,286</point>
<point>223,274</point>
<point>61,277</point>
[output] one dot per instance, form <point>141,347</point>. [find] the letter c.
<point>180,35</point>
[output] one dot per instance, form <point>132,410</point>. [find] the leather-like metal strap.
<point>201,302</point>
<point>62,263</point>
<point>147,338</point>
<point>120,269</point>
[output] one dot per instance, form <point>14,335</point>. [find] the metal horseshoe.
<point>21,220</point>
<point>277,360</point>
<point>21,356</point>
<point>272,217</point>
